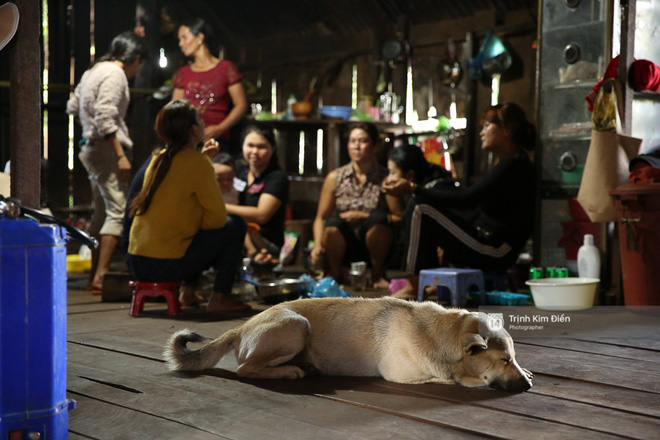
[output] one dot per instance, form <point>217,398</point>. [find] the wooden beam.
<point>25,102</point>
<point>277,52</point>
<point>626,58</point>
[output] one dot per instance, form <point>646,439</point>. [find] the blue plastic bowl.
<point>336,111</point>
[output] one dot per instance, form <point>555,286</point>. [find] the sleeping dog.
<point>402,341</point>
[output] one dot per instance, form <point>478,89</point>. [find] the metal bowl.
<point>285,289</point>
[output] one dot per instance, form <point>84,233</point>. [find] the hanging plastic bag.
<point>609,154</point>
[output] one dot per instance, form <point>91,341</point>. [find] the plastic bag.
<point>286,252</point>
<point>604,116</point>
<point>327,287</point>
<point>606,166</point>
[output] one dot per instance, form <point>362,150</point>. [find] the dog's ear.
<point>473,342</point>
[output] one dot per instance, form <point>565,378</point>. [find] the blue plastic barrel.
<point>33,330</point>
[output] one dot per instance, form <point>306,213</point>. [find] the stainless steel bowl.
<point>285,289</point>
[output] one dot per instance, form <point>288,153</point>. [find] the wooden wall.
<point>293,63</point>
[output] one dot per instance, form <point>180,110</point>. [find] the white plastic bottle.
<point>289,107</point>
<point>248,292</point>
<point>246,270</point>
<point>588,259</point>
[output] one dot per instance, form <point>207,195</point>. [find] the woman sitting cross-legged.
<point>180,226</point>
<point>354,218</point>
<point>484,226</point>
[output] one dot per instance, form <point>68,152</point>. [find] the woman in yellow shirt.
<point>180,225</point>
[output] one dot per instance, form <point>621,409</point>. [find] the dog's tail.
<point>180,358</point>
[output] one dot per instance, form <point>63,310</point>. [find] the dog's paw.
<point>289,372</point>
<point>278,372</point>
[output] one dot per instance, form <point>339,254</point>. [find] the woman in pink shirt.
<point>212,85</point>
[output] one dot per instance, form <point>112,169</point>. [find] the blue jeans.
<point>218,248</point>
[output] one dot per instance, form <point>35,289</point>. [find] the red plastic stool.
<point>143,289</point>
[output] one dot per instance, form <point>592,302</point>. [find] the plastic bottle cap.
<point>589,239</point>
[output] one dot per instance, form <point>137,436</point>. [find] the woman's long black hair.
<point>174,123</point>
<point>126,47</point>
<point>267,133</point>
<point>512,116</point>
<point>199,25</point>
<point>411,158</point>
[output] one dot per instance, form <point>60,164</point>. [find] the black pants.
<point>429,226</point>
<point>218,248</point>
<point>356,245</point>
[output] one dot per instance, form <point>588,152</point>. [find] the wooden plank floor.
<point>590,387</point>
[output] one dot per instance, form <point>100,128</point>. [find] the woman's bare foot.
<point>381,284</point>
<point>188,297</point>
<point>408,292</point>
<point>96,284</point>
<point>219,302</point>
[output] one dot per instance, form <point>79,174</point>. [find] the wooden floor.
<point>589,387</point>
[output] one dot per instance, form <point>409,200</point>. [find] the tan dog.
<point>401,341</point>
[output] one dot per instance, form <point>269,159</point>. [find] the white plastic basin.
<point>570,293</point>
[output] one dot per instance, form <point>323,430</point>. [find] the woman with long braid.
<point>180,225</point>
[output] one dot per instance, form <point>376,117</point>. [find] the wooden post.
<point>626,58</point>
<point>25,105</point>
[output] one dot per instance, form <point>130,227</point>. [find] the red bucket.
<point>638,217</point>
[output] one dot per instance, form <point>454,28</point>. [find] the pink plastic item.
<point>397,284</point>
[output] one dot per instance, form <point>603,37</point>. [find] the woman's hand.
<point>354,218</point>
<point>213,131</point>
<point>210,148</point>
<point>316,256</point>
<point>397,188</point>
<point>124,166</point>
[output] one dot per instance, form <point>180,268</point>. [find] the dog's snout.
<point>518,386</point>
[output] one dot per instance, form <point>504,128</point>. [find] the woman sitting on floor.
<point>354,218</point>
<point>263,193</point>
<point>180,226</point>
<point>408,162</point>
<point>484,226</point>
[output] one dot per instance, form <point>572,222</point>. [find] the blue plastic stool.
<point>458,281</point>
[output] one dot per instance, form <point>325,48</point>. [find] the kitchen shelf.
<point>575,47</point>
<point>551,189</point>
<point>567,138</point>
<point>580,84</point>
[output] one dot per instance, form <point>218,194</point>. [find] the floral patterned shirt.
<point>351,196</point>
<point>208,91</point>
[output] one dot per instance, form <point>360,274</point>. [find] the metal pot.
<point>451,72</point>
<point>285,289</point>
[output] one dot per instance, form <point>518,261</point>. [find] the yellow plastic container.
<point>75,264</point>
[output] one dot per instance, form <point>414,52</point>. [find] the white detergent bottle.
<point>588,259</point>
